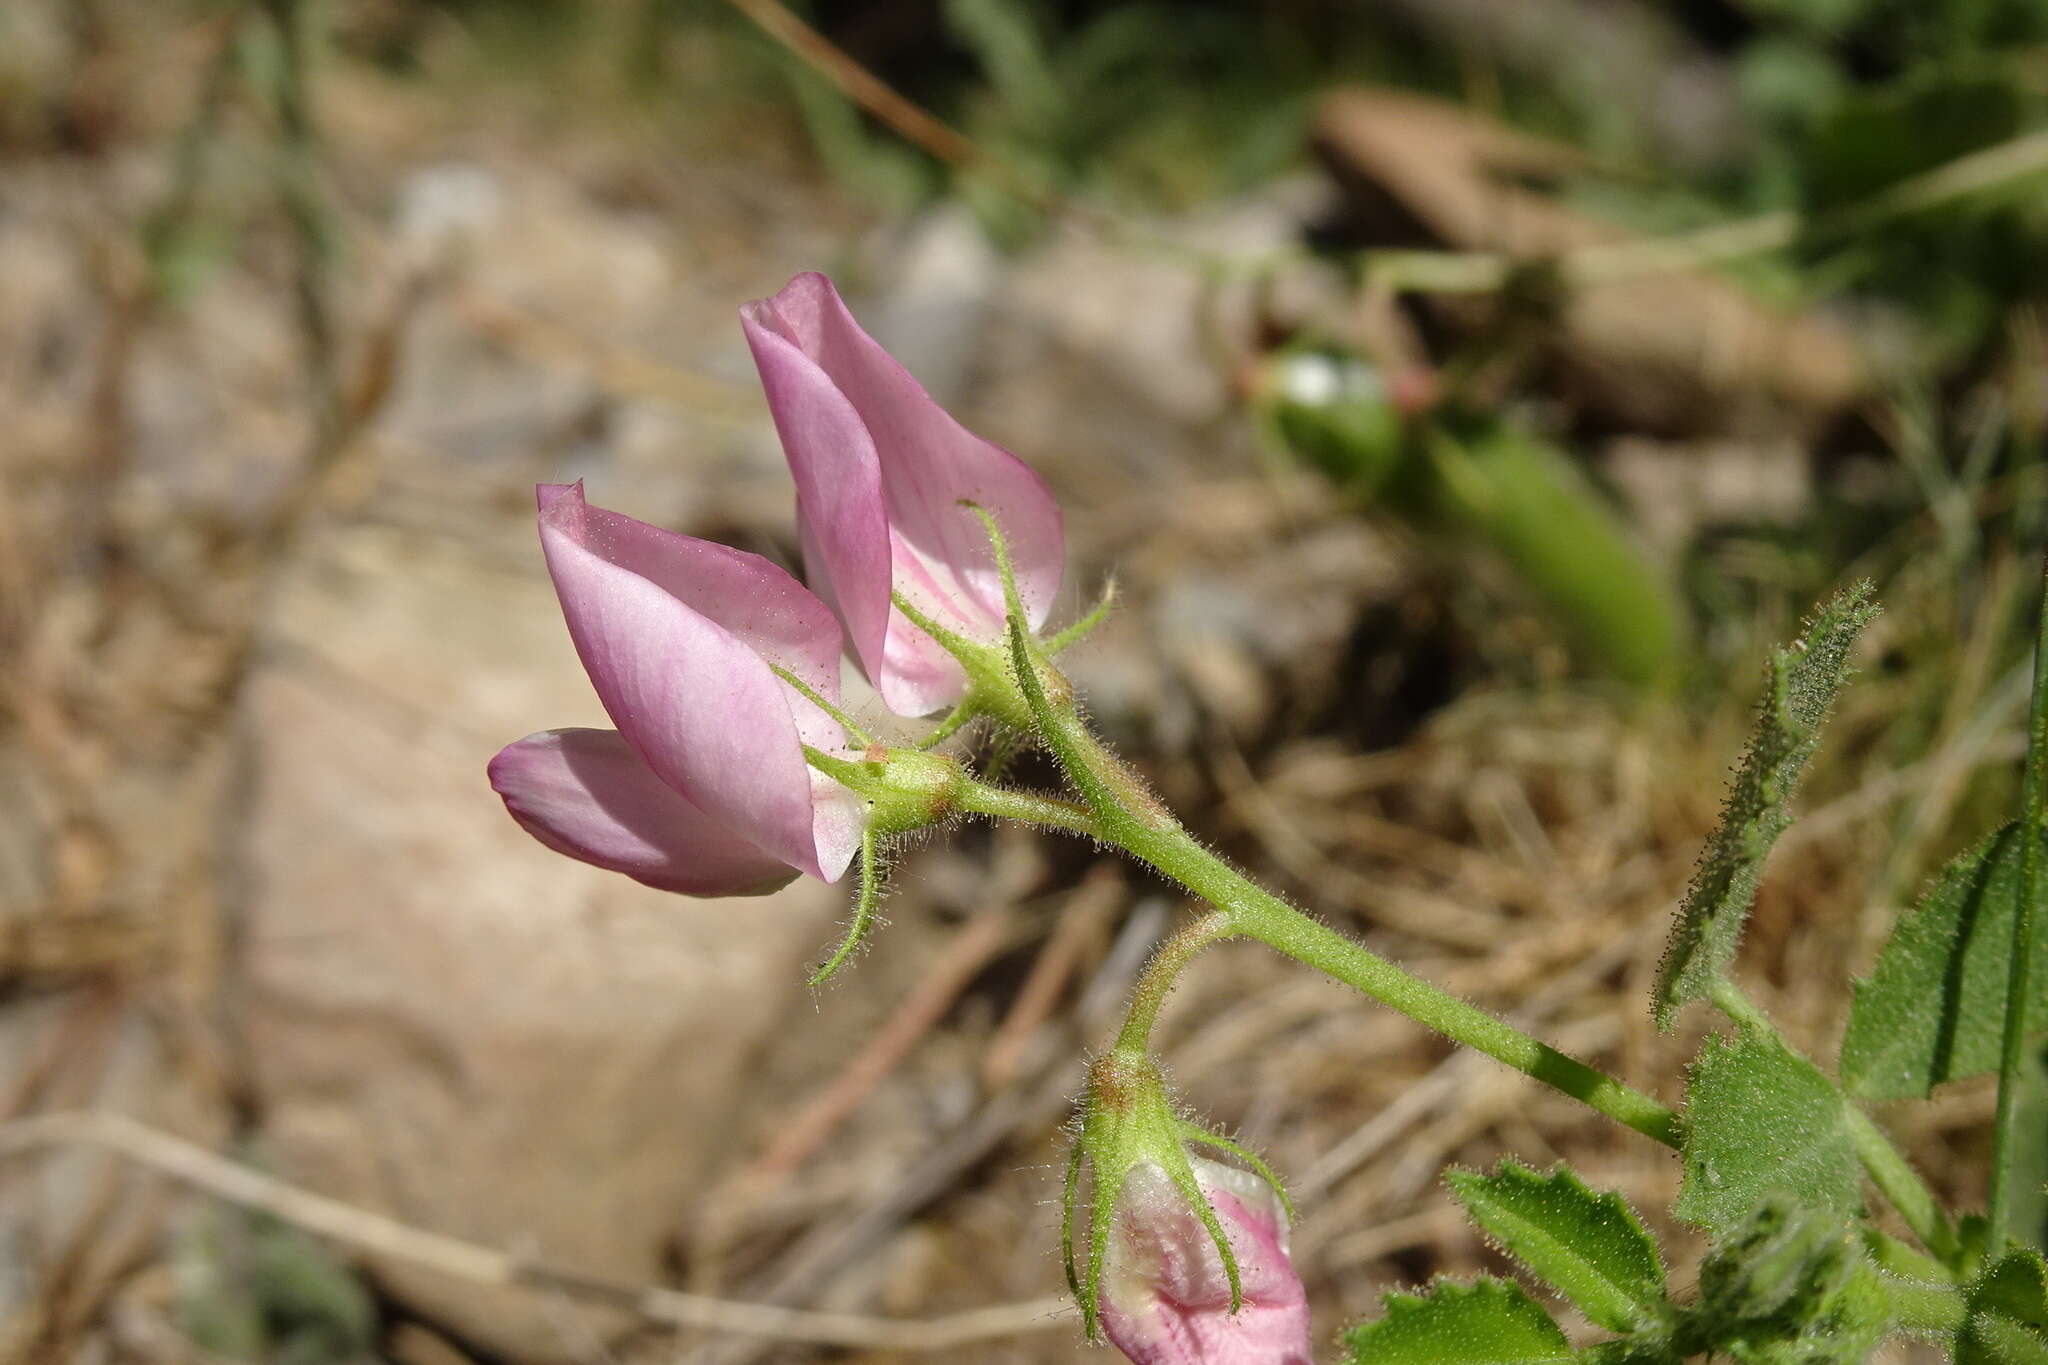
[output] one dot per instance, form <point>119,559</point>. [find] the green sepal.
<point>994,689</point>
<point>902,789</point>
<point>863,912</point>
<point>1070,1190</point>
<point>1760,1119</point>
<point>1203,1137</point>
<point>1800,685</point>
<point>1933,1009</point>
<point>1589,1246</point>
<point>1484,1322</point>
<point>1081,629</point>
<point>1128,1120</point>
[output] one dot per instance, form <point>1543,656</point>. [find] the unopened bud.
<point>1187,1259</point>
<point>1165,1296</point>
<point>1341,414</point>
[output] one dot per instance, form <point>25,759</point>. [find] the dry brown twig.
<point>376,1234</point>
<point>1085,919</point>
<point>806,1130</point>
<point>910,121</point>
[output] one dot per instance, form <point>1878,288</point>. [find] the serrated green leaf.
<point>1487,1322</point>
<point>1760,1120</point>
<point>1933,1009</point>
<point>2007,1322</point>
<point>1590,1246</point>
<point>1800,686</point>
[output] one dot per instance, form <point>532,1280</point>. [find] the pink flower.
<point>1165,1296</point>
<point>881,473</point>
<point>703,789</point>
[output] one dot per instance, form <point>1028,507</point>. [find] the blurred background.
<point>1464,393</point>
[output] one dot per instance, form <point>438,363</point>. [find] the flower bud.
<point>1165,1297</point>
<point>1340,413</point>
<point>1187,1259</point>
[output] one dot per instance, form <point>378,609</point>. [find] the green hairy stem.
<point>1861,1281</point>
<point>1998,1208</point>
<point>1129,817</point>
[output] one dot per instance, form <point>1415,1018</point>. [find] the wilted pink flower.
<point>703,788</point>
<point>881,473</point>
<point>1165,1296</point>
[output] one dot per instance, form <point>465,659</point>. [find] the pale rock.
<point>447,1022</point>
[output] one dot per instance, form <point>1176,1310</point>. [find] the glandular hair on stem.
<point>1057,687</point>
<point>1138,799</point>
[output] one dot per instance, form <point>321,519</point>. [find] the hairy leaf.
<point>1590,1246</point>
<point>1778,1264</point>
<point>2008,1314</point>
<point>1800,685</point>
<point>1788,1286</point>
<point>1760,1120</point>
<point>1933,1009</point>
<point>1487,1322</point>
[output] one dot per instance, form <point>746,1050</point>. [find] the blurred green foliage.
<point>255,1289</point>
<point>1851,97</point>
<point>1148,105</point>
<point>1145,103</point>
<point>1486,481</point>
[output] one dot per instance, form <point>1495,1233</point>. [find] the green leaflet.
<point>1788,1286</point>
<point>1589,1245</point>
<point>1933,1009</point>
<point>1486,1322</point>
<point>1801,683</point>
<point>1760,1119</point>
<point>2008,1314</point>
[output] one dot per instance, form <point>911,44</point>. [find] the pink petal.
<point>586,793</point>
<point>677,635</point>
<point>881,470</point>
<point>1165,1295</point>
